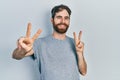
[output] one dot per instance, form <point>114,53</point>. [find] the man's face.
<point>61,22</point>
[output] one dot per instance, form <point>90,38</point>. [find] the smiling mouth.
<point>62,26</point>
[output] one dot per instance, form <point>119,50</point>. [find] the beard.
<point>59,30</point>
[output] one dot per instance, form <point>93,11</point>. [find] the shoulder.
<point>42,39</point>
<point>70,39</point>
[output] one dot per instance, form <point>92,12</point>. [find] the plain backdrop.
<point>98,19</point>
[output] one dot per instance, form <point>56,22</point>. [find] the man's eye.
<point>67,18</point>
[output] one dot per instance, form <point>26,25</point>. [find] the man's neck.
<point>59,36</point>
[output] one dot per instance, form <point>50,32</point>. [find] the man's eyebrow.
<point>58,16</point>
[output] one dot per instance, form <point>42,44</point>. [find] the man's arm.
<point>79,45</point>
<point>25,44</point>
<point>82,64</point>
<point>21,53</point>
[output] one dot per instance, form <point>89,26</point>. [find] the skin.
<point>61,17</point>
<point>79,49</point>
<point>25,44</point>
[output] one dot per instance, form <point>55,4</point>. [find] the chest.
<point>58,54</point>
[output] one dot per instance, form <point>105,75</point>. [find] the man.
<point>58,56</point>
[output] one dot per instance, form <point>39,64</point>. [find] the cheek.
<point>68,22</point>
<point>56,21</point>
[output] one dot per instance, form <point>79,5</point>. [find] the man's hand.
<point>25,44</point>
<point>79,49</point>
<point>78,43</point>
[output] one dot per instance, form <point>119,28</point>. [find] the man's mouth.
<point>62,25</point>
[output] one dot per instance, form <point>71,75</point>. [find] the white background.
<point>98,19</point>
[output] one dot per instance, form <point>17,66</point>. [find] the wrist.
<point>79,53</point>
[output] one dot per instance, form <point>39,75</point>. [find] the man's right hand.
<point>25,44</point>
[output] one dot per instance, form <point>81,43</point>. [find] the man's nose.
<point>63,20</point>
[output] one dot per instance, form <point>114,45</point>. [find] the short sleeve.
<point>36,49</point>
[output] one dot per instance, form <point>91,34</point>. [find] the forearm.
<point>82,64</point>
<point>21,53</point>
<point>18,53</point>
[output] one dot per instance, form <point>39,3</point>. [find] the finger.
<point>80,45</point>
<point>36,34</point>
<point>28,30</point>
<point>18,46</point>
<point>80,35</point>
<point>20,42</point>
<point>75,38</point>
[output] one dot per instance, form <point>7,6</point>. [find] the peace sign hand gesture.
<point>25,44</point>
<point>79,49</point>
<point>78,43</point>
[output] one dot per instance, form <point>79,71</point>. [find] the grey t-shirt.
<point>56,59</point>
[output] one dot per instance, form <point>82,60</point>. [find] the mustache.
<point>62,24</point>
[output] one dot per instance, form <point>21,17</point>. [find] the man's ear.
<point>51,20</point>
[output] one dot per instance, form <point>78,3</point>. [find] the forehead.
<point>62,13</point>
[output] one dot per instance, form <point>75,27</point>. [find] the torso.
<point>57,59</point>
